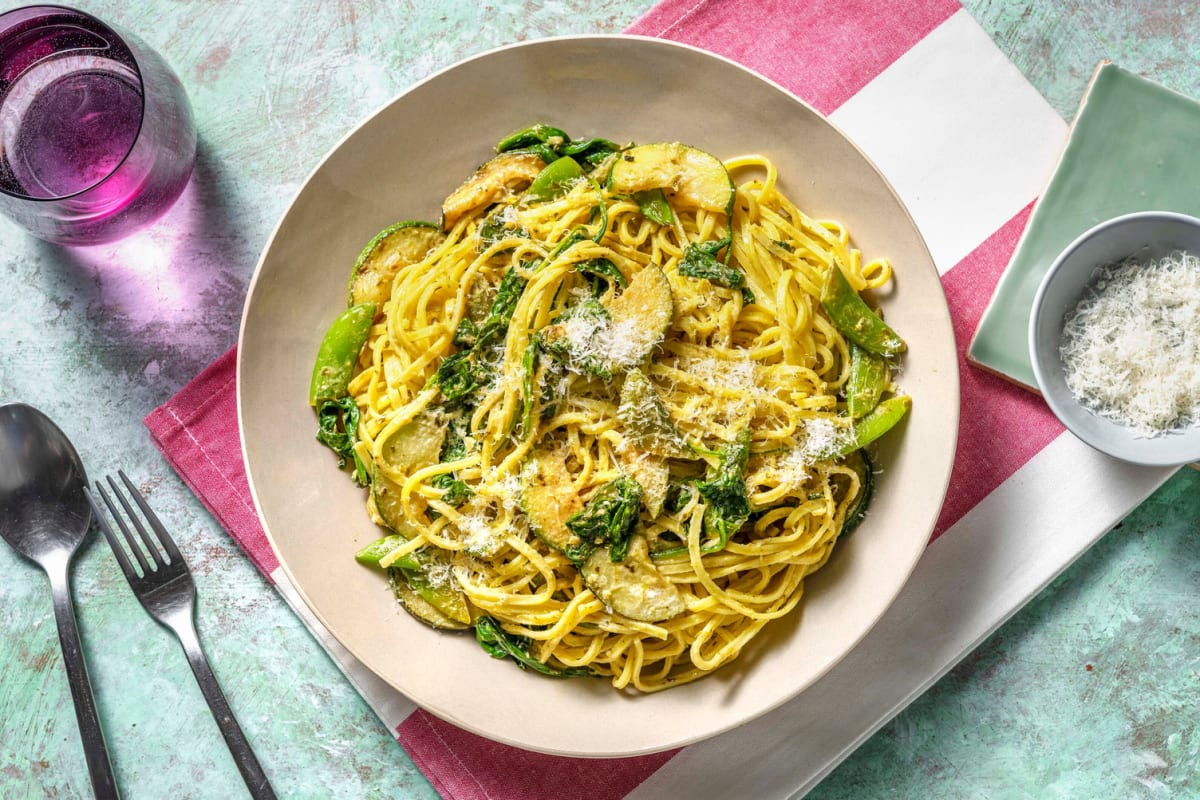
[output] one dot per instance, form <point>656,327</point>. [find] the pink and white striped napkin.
<point>968,144</point>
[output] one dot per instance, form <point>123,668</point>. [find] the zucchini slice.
<point>385,495</point>
<point>443,595</point>
<point>391,250</point>
<point>651,473</point>
<point>415,603</point>
<point>690,177</point>
<point>647,425</point>
<point>417,444</point>
<point>643,312</point>
<point>414,446</point>
<point>548,498</point>
<point>633,588</point>
<point>860,462</point>
<point>507,172</point>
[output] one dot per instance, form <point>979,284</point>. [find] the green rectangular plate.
<point>1134,146</point>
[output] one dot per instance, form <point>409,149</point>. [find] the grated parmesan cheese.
<point>793,469</point>
<point>439,575</point>
<point>479,524</point>
<point>820,436</point>
<point>479,535</point>
<point>627,342</point>
<point>618,344</point>
<point>732,375</point>
<point>735,381</point>
<point>1131,347</point>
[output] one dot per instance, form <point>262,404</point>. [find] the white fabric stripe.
<point>965,140</point>
<point>969,582</point>
<point>388,704</point>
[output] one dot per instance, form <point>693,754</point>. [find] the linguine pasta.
<point>622,454</point>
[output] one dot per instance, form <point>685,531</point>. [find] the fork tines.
<point>173,557</point>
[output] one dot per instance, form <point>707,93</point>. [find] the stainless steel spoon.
<point>45,516</point>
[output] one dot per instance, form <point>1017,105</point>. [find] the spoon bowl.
<point>43,511</point>
<point>45,516</point>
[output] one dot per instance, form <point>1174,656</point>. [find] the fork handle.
<point>243,756</point>
<point>104,785</point>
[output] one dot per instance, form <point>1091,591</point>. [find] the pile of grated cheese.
<point>618,345</point>
<point>1131,348</point>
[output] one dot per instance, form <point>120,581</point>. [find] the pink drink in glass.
<point>96,134</point>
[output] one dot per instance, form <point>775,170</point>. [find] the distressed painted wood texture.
<point>1083,694</point>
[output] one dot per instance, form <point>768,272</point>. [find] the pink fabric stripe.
<point>464,766</point>
<point>823,50</point>
<point>196,431</point>
<point>1001,426</point>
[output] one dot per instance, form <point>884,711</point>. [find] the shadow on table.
<point>165,301</point>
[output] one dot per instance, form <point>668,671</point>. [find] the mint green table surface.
<point>1132,147</point>
<point>1080,695</point>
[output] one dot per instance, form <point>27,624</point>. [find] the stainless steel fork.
<point>166,590</point>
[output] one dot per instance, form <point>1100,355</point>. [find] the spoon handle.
<point>103,783</point>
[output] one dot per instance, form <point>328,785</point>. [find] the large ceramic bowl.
<point>1146,236</point>
<point>400,164</point>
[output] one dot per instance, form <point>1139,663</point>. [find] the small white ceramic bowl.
<point>1147,236</point>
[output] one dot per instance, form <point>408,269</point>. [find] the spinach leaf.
<point>608,518</point>
<point>457,492</point>
<point>499,643</point>
<point>337,429</point>
<point>678,496</point>
<point>454,447</point>
<point>493,229</point>
<point>466,334</point>
<point>458,376</point>
<point>528,372</point>
<point>577,235</point>
<point>601,273</point>
<point>503,305</point>
<point>599,210</point>
<point>593,150</point>
<point>461,373</point>
<point>700,261</point>
<point>550,142</point>
<point>724,489</point>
